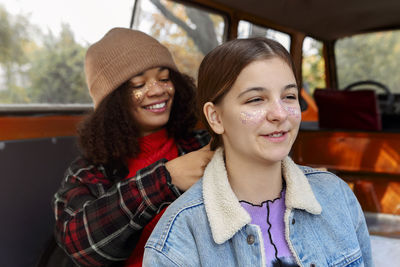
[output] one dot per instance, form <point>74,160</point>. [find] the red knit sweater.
<point>153,147</point>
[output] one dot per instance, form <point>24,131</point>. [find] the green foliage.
<point>13,37</point>
<point>49,70</point>
<point>313,68</point>
<point>57,74</point>
<point>15,94</point>
<point>13,42</point>
<point>374,56</point>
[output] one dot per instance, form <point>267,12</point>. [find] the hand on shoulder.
<point>189,168</point>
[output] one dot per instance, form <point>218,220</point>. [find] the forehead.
<point>272,74</point>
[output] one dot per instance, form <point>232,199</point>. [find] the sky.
<point>89,19</point>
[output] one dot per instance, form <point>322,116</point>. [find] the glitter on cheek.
<point>168,87</point>
<point>253,117</point>
<point>294,112</point>
<point>138,95</point>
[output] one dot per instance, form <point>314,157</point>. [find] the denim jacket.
<point>206,226</point>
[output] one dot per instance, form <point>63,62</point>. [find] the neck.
<point>254,181</point>
<point>144,133</point>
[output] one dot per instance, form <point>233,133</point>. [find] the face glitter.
<point>253,117</point>
<point>294,112</point>
<point>169,88</point>
<point>139,93</point>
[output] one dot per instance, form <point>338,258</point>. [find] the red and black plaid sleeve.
<point>199,139</point>
<point>98,222</point>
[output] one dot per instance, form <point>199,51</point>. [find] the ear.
<point>213,117</point>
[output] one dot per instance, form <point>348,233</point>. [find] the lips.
<point>276,137</point>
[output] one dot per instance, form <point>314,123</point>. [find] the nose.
<point>277,112</point>
<point>154,88</point>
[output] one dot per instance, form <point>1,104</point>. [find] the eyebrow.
<point>260,89</point>
<point>257,89</point>
<point>290,86</point>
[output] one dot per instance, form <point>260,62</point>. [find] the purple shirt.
<point>269,217</point>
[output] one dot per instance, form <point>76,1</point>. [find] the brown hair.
<point>110,133</point>
<point>220,68</point>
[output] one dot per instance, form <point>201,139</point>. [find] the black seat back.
<point>30,171</point>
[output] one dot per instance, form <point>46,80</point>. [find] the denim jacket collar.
<point>225,214</point>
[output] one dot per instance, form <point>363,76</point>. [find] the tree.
<point>47,71</point>
<point>374,56</point>
<point>204,26</point>
<point>187,32</point>
<point>313,67</point>
<point>57,74</point>
<point>14,40</point>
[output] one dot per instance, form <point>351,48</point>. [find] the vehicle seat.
<point>353,110</point>
<point>31,172</point>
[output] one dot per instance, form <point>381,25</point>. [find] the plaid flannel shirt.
<point>99,214</point>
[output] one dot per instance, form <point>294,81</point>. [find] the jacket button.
<point>293,221</point>
<point>313,265</point>
<point>250,239</point>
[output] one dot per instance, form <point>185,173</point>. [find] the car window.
<point>247,29</point>
<point>372,56</point>
<point>188,32</point>
<point>313,65</point>
<point>43,45</point>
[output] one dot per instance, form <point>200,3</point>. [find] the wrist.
<point>169,166</point>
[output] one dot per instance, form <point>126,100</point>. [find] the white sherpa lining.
<point>225,214</point>
<point>299,194</point>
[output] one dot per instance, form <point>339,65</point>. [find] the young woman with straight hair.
<point>254,206</point>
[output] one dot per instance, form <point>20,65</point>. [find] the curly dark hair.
<point>110,133</point>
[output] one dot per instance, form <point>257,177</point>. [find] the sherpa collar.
<point>225,214</point>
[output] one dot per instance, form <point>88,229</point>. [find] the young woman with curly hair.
<point>138,150</point>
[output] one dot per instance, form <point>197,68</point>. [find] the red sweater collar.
<point>153,147</point>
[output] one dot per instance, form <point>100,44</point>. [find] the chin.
<point>275,157</point>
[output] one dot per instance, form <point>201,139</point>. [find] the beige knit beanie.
<point>118,56</point>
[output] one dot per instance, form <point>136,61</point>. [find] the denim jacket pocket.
<point>354,259</point>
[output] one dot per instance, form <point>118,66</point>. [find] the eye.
<point>165,80</point>
<point>137,86</point>
<point>254,100</point>
<point>291,96</point>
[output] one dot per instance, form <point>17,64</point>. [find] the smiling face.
<point>259,117</point>
<point>152,98</point>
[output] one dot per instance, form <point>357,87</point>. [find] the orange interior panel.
<point>369,162</point>
<point>349,151</point>
<point>28,127</point>
<point>311,113</point>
